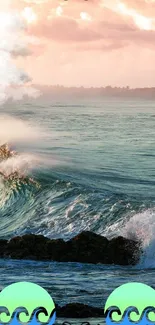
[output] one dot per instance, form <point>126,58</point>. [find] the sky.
<point>82,43</point>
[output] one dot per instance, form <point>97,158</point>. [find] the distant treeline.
<point>96,91</point>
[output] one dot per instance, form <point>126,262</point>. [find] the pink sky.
<point>89,43</point>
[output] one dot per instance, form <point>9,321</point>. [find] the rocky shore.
<point>76,310</point>
<point>87,247</point>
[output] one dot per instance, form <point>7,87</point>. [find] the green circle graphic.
<point>133,294</point>
<point>28,295</point>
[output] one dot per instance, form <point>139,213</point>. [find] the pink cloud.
<point>65,29</point>
<point>110,48</point>
<point>116,31</point>
<point>144,7</point>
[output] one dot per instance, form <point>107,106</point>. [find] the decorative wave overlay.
<point>131,316</point>
<point>32,319</point>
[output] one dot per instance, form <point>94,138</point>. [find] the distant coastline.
<point>107,91</point>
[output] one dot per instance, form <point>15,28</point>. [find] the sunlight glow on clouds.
<point>100,40</point>
<point>141,21</point>
<point>150,1</point>
<point>59,11</point>
<point>85,16</point>
<point>29,15</point>
<point>36,1</point>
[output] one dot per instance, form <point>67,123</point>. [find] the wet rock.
<point>27,246</point>
<point>3,246</point>
<point>123,251</point>
<point>87,247</point>
<point>77,310</point>
<point>57,250</point>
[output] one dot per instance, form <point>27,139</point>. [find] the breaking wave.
<point>38,196</point>
<point>45,204</point>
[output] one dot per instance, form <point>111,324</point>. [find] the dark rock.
<point>57,249</point>
<point>123,251</point>
<point>3,246</point>
<point>86,247</point>
<point>77,310</point>
<point>25,246</point>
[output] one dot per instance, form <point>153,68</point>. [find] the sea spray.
<point>14,42</point>
<point>14,130</point>
<point>140,227</point>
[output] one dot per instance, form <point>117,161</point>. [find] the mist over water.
<point>94,162</point>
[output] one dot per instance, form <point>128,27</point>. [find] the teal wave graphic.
<point>33,318</point>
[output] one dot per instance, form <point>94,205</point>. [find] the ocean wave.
<point>42,201</point>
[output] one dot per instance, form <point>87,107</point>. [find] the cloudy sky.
<point>89,43</point>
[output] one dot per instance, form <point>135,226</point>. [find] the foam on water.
<point>93,196</point>
<point>141,227</point>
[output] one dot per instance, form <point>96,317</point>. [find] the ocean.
<point>95,164</point>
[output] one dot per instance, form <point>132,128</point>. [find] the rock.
<point>3,246</point>
<point>123,251</point>
<point>23,247</point>
<point>86,247</point>
<point>77,310</point>
<point>57,250</point>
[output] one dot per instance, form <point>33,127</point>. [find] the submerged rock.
<point>77,310</point>
<point>3,246</point>
<point>87,247</point>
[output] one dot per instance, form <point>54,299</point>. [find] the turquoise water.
<point>96,171</point>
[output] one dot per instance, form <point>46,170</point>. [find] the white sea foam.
<point>21,163</point>
<point>25,138</point>
<point>141,227</point>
